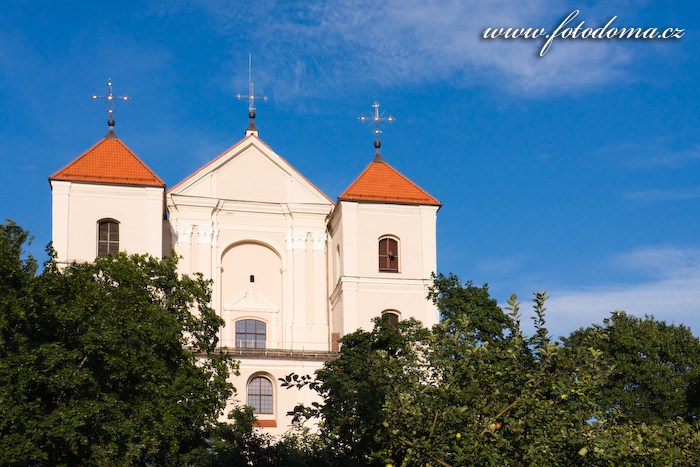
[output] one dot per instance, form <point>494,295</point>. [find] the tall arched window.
<point>107,237</point>
<point>388,254</point>
<point>250,334</point>
<point>260,395</point>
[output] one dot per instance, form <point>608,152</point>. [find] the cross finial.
<point>251,99</point>
<point>110,98</point>
<point>377,119</point>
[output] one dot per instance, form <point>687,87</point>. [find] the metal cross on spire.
<point>251,98</point>
<point>110,98</point>
<point>377,119</point>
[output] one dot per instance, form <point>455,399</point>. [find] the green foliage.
<point>115,363</point>
<point>475,391</point>
<point>111,362</point>
<point>239,444</point>
<point>504,402</point>
<point>654,363</point>
<point>487,322</point>
<point>673,442</point>
<point>386,361</point>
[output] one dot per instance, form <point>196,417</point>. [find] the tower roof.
<point>381,183</point>
<point>109,161</point>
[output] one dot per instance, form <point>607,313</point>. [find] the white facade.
<point>292,271</point>
<point>359,291</point>
<point>77,207</point>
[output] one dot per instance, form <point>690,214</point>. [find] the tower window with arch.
<point>107,237</point>
<point>388,254</point>
<point>260,395</point>
<point>250,334</point>
<point>391,316</point>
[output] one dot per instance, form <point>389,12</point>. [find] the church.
<point>292,270</point>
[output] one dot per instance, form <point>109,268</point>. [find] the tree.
<point>501,402</point>
<point>475,391</point>
<point>487,322</point>
<point>239,444</point>
<point>372,367</point>
<point>472,390</point>
<point>653,366</point>
<point>107,362</point>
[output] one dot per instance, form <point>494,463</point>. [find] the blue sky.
<point>577,172</point>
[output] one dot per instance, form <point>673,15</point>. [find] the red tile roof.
<point>109,161</point>
<point>381,183</point>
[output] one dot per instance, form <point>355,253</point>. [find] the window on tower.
<point>388,254</point>
<point>107,237</point>
<point>260,395</point>
<point>250,334</point>
<point>391,317</point>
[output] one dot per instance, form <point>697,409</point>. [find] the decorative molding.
<point>181,234</point>
<point>207,235</point>
<point>318,241</point>
<point>295,240</point>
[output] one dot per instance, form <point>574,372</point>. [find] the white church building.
<point>292,269</point>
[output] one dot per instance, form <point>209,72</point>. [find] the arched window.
<point>260,395</point>
<point>250,334</point>
<point>391,317</point>
<point>388,255</point>
<point>107,237</point>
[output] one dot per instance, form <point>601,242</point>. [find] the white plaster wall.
<point>284,400</point>
<point>288,261</point>
<point>362,291</point>
<point>250,196</point>
<point>76,208</point>
<point>242,299</point>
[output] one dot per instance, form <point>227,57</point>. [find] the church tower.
<point>106,201</point>
<point>383,241</point>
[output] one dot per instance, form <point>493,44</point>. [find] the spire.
<point>381,183</point>
<point>110,102</point>
<point>377,118</point>
<point>377,145</point>
<point>252,129</point>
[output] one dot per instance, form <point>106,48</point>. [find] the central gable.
<point>251,171</point>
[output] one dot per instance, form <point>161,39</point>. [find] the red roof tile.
<point>109,161</point>
<point>381,183</point>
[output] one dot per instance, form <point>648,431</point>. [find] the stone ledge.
<point>281,354</point>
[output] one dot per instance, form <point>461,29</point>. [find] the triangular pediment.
<point>251,171</point>
<point>252,301</point>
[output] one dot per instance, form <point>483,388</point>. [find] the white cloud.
<point>671,300</point>
<point>671,294</point>
<point>673,194</point>
<point>662,262</point>
<point>653,153</point>
<point>657,154</point>
<point>404,42</point>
